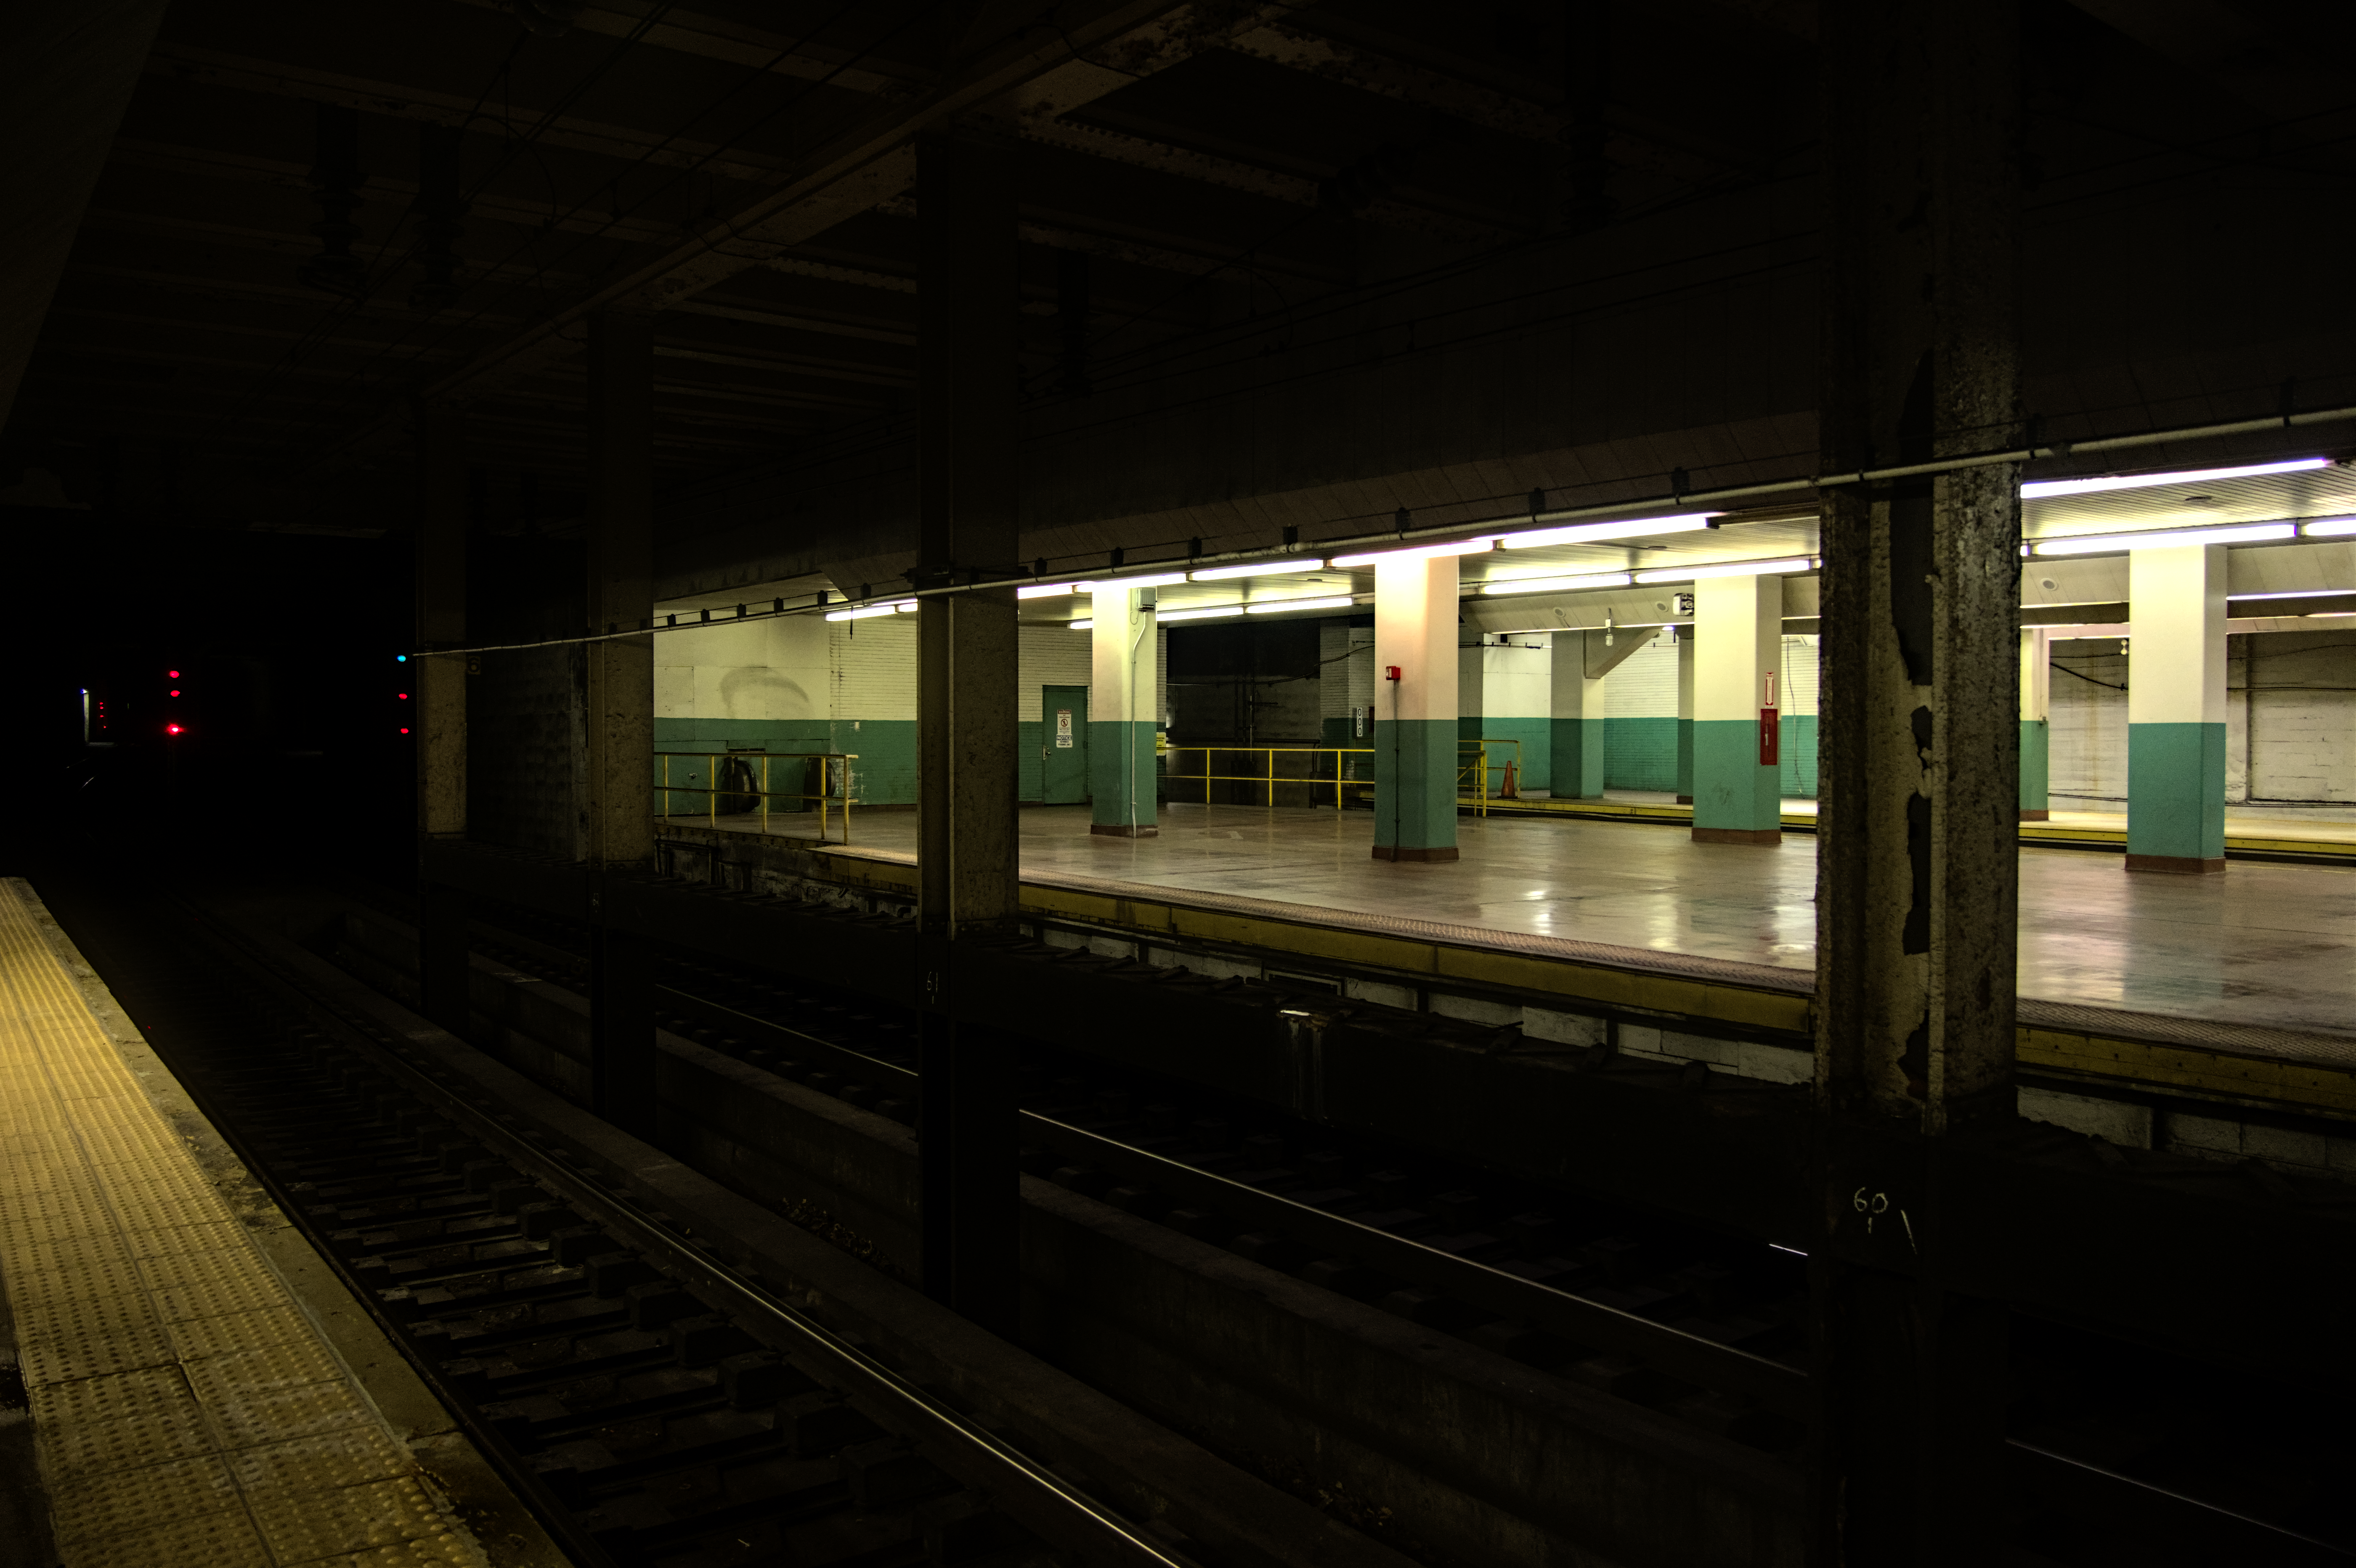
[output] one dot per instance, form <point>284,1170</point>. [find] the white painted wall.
<point>774,668</point>
<point>1645,686</point>
<point>1512,681</point>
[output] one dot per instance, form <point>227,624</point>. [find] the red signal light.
<point>404,729</point>
<point>173,673</point>
<point>171,729</point>
<point>404,695</point>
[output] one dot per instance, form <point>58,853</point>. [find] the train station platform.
<point>203,1391</point>
<point>2267,944</point>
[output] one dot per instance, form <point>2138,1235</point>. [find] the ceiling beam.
<point>716,37</point>
<point>277,79</point>
<point>1034,75</point>
<point>1635,141</point>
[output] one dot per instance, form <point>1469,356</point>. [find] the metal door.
<point>1063,744</point>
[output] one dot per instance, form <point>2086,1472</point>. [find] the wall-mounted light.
<point>1084,625</point>
<point>2327,528</point>
<point>2167,538</point>
<point>1559,584</point>
<point>1200,614</point>
<point>1342,601</point>
<point>1419,552</point>
<point>1596,533</point>
<point>1728,569</point>
<point>2043,488</point>
<point>1047,591</point>
<point>863,613</point>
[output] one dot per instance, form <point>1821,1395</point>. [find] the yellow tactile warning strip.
<point>186,1412</point>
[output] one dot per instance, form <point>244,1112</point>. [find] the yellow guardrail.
<point>1473,768</point>
<point>1343,774</point>
<point>730,777</point>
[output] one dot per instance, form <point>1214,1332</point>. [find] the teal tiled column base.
<point>1575,767</point>
<point>2176,798</point>
<point>1415,789</point>
<point>1121,778</point>
<point>2035,738</point>
<point>1736,800</point>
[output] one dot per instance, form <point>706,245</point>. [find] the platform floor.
<point>2262,943</point>
<point>186,1410</point>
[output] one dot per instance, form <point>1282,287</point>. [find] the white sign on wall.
<point>1064,729</point>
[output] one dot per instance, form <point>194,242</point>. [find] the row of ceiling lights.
<point>1653,527</point>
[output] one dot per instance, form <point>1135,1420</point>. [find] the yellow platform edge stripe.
<point>184,1408</point>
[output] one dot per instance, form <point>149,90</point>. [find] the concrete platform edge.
<point>509,1534</point>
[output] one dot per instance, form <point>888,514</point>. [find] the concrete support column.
<point>966,776</point>
<point>1686,669</point>
<point>1917,853</point>
<point>2176,710</point>
<point>2036,729</point>
<point>1415,714</point>
<point>614,794</point>
<point>1574,724</point>
<point>1121,702</point>
<point>437,691</point>
<point>1736,796</point>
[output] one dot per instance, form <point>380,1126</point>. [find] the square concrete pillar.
<point>1121,684</point>
<point>967,778</point>
<point>2176,710</point>
<point>1737,798</point>
<point>2036,721</point>
<point>1685,713</point>
<point>1574,724</point>
<point>1415,714</point>
<point>614,759</point>
<point>438,710</point>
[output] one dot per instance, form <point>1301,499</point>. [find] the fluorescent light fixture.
<point>1158,580</point>
<point>1084,625</point>
<point>1559,584</point>
<point>1199,614</point>
<point>862,613</point>
<point>1342,603</point>
<point>2329,527</point>
<point>2146,481</point>
<point>906,606</point>
<point>1255,569</point>
<point>1046,590</point>
<point>1418,553</point>
<point>2296,593</point>
<point>1725,569</point>
<point>1592,533</point>
<point>2088,544</point>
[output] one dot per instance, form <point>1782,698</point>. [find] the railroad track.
<point>652,1404</point>
<point>658,1408</point>
<point>2111,1442</point>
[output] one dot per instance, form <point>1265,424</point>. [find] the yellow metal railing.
<point>1340,778</point>
<point>1473,768</point>
<point>730,774</point>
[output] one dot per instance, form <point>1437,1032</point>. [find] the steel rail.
<point>622,1216</point>
<point>1707,1362</point>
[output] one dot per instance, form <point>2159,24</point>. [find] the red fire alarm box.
<point>1770,754</point>
<point>1390,672</point>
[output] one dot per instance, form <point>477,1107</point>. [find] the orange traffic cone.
<point>1511,789</point>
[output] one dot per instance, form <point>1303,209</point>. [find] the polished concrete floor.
<point>2262,943</point>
